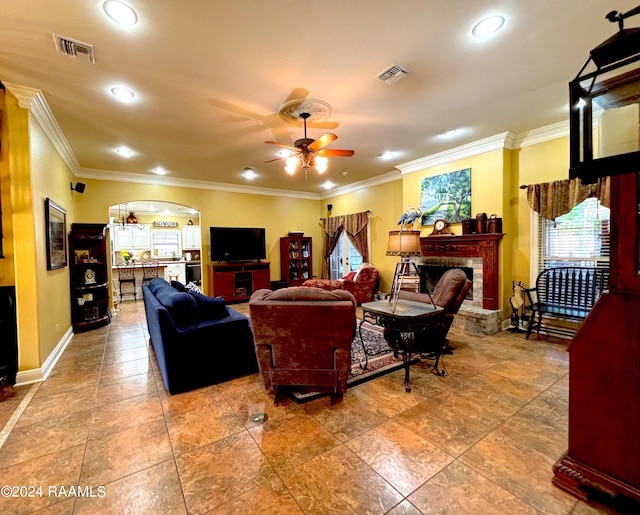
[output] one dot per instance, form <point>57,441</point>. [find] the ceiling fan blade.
<point>293,149</point>
<point>323,141</point>
<point>296,93</point>
<point>276,159</point>
<point>323,125</point>
<point>332,152</point>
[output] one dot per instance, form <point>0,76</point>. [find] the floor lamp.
<point>404,244</point>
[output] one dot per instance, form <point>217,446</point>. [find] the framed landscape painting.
<point>446,197</point>
<point>55,218</point>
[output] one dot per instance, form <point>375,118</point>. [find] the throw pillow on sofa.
<point>193,287</point>
<point>178,285</point>
<point>210,308</point>
<point>182,306</point>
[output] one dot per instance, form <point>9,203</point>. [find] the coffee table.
<point>408,318</point>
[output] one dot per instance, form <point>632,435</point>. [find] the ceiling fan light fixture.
<point>321,164</point>
<point>292,164</point>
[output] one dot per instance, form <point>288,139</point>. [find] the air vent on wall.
<point>393,73</point>
<point>74,48</point>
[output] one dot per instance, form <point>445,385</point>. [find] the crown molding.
<point>367,183</point>
<point>33,100</point>
<point>535,136</point>
<point>499,141</point>
<point>111,175</point>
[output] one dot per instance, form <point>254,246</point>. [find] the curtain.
<point>553,199</point>
<point>332,227</point>
<point>356,227</point>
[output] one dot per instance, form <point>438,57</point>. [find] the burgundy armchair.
<point>303,338</point>
<point>364,284</point>
<point>449,293</point>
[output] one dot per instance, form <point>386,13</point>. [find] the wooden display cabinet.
<point>89,276</point>
<point>296,265</point>
<point>604,365</point>
<point>236,282</point>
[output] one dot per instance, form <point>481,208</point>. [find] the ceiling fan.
<point>309,152</point>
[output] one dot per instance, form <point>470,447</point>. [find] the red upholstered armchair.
<point>363,285</point>
<point>449,293</point>
<point>303,338</point>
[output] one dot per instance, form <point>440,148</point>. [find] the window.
<point>344,258</point>
<point>578,238</point>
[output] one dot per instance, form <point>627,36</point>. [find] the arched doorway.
<point>158,232</point>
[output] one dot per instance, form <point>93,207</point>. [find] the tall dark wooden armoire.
<point>604,356</point>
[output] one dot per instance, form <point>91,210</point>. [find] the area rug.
<point>381,361</point>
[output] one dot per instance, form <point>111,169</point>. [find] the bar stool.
<point>126,275</point>
<point>173,277</point>
<point>149,271</point>
<point>116,295</point>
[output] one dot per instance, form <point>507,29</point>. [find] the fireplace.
<point>481,250</point>
<point>478,256</point>
<point>430,274</point>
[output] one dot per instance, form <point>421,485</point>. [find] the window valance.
<point>554,199</point>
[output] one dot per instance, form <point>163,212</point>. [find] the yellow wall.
<point>543,162</point>
<point>7,270</point>
<point>50,177</point>
<point>490,175</point>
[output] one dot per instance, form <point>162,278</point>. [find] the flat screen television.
<point>237,244</point>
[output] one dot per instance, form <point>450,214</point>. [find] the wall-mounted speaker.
<point>329,207</point>
<point>79,187</point>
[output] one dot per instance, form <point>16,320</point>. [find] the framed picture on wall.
<point>55,219</point>
<point>446,197</point>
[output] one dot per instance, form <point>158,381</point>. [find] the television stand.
<point>236,282</point>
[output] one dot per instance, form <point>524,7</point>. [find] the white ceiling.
<point>209,77</point>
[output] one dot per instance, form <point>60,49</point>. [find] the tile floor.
<point>481,440</point>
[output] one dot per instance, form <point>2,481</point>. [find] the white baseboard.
<point>35,375</point>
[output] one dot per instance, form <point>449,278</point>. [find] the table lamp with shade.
<point>404,244</point>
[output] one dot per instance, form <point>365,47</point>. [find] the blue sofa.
<point>198,340</point>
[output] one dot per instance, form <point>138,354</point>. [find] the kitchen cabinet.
<point>132,237</point>
<point>191,237</point>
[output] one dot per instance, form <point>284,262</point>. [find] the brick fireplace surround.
<point>478,252</point>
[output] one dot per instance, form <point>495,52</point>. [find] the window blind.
<point>579,238</point>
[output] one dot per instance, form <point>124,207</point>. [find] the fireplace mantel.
<point>484,246</point>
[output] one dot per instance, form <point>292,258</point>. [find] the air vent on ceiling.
<point>74,48</point>
<point>393,73</point>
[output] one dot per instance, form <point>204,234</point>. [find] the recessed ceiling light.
<point>388,155</point>
<point>284,153</point>
<point>122,93</point>
<point>124,151</point>
<point>487,26</point>
<point>249,173</point>
<point>448,134</point>
<point>328,185</point>
<point>158,170</point>
<point>120,12</point>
